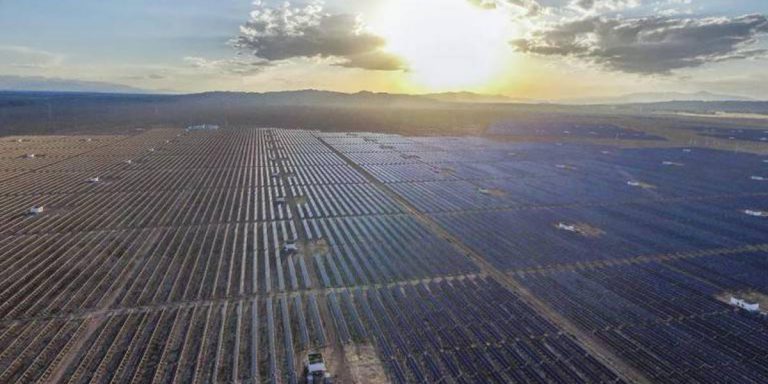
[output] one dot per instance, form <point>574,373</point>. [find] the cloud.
<point>375,61</point>
<point>529,7</point>
<point>286,32</point>
<point>228,66</point>
<point>603,5</point>
<point>485,4</point>
<point>25,57</point>
<point>653,45</point>
<point>149,76</point>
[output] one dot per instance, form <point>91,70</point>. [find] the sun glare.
<point>447,44</point>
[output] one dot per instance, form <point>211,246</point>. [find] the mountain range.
<point>47,84</point>
<point>657,97</point>
<point>319,98</point>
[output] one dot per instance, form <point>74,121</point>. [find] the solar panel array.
<point>443,254</point>
<point>667,240</point>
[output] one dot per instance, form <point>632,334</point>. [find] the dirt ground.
<point>364,365</point>
<point>314,247</point>
<point>354,364</point>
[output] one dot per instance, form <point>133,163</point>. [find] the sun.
<point>447,44</point>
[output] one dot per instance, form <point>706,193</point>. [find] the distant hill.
<point>470,97</point>
<point>704,107</point>
<point>327,98</point>
<point>657,97</point>
<point>51,112</point>
<point>48,84</point>
<point>316,98</point>
<point>311,97</point>
<point>361,100</point>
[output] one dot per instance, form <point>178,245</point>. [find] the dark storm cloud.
<point>654,45</point>
<point>285,32</point>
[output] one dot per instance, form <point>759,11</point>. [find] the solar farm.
<point>228,255</point>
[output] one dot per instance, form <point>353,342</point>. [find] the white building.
<point>752,212</point>
<point>203,127</point>
<point>290,246</point>
<point>745,305</point>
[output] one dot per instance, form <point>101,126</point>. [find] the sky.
<point>526,49</point>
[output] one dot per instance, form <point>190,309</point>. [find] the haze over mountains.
<point>57,112</point>
<point>658,97</point>
<point>632,98</point>
<point>47,84</point>
<point>81,94</point>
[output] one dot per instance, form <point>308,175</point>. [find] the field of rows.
<point>664,240</point>
<point>638,202</point>
<point>665,321</point>
<point>441,255</point>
